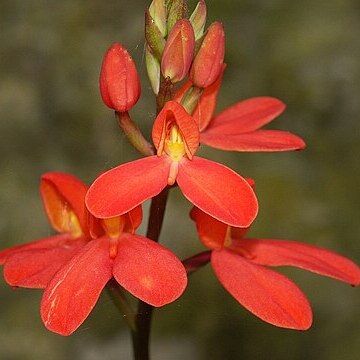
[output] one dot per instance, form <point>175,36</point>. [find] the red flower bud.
<point>119,82</point>
<point>179,51</point>
<point>208,61</point>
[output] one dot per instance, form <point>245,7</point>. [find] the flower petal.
<point>63,193</point>
<point>76,287</point>
<point>212,232</point>
<point>218,191</point>
<point>291,253</point>
<point>259,140</point>
<point>205,109</point>
<point>267,294</point>
<point>46,243</point>
<point>35,268</point>
<point>121,189</point>
<point>246,116</point>
<point>149,271</point>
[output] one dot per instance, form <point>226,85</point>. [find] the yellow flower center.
<point>70,223</point>
<point>113,226</point>
<point>174,144</point>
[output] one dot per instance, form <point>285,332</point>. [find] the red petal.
<point>121,189</point>
<point>35,268</point>
<point>173,111</point>
<point>46,243</point>
<point>207,103</point>
<point>218,191</point>
<point>304,256</point>
<point>63,192</point>
<point>134,219</point>
<point>246,116</point>
<point>259,140</point>
<point>76,287</point>
<point>212,232</point>
<point>267,294</point>
<point>149,271</point>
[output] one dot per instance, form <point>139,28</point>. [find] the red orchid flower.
<point>240,264</point>
<point>238,128</point>
<point>143,267</point>
<point>33,265</point>
<point>212,187</point>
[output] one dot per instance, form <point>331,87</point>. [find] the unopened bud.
<point>119,82</point>
<point>153,69</point>
<point>179,51</point>
<point>154,38</point>
<point>157,10</point>
<point>177,10</point>
<point>208,61</point>
<point>198,19</point>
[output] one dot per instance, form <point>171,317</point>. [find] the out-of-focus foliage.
<point>52,118</point>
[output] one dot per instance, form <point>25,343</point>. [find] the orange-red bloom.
<point>34,264</point>
<point>75,265</point>
<point>240,264</point>
<point>119,81</point>
<point>238,128</point>
<point>141,266</point>
<point>212,187</point>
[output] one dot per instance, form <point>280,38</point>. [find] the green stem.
<point>121,302</point>
<point>141,334</point>
<point>165,93</point>
<point>133,134</point>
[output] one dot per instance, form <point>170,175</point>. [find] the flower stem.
<point>194,263</point>
<point>121,302</point>
<point>141,334</point>
<point>133,134</point>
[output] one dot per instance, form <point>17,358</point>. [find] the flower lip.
<point>63,197</point>
<point>175,132</point>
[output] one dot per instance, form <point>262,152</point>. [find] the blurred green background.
<point>306,53</point>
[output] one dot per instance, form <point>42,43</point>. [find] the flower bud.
<point>153,69</point>
<point>119,82</point>
<point>154,38</point>
<point>198,19</point>
<point>179,51</point>
<point>157,10</point>
<point>177,10</point>
<point>208,61</point>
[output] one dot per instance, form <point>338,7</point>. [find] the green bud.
<point>153,69</point>
<point>177,10</point>
<point>153,36</point>
<point>198,19</point>
<point>157,11</point>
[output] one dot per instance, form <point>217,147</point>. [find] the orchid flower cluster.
<point>97,244</point>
